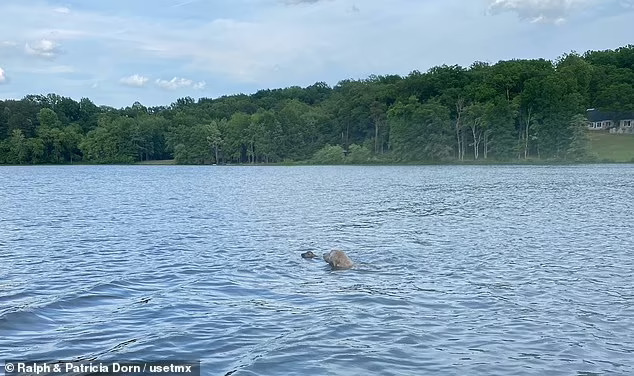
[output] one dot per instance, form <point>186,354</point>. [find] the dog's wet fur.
<point>309,255</point>
<point>338,259</point>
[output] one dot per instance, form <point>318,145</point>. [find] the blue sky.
<point>116,52</point>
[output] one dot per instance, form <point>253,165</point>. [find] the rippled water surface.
<point>459,270</point>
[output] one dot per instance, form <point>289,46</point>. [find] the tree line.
<point>511,110</point>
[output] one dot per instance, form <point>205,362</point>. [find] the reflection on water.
<point>460,270</point>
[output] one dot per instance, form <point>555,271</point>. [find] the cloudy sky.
<point>116,52</point>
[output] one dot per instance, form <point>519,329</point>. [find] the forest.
<point>516,110</point>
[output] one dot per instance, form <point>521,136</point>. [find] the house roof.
<point>595,115</point>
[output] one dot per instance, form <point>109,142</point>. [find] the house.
<point>613,122</point>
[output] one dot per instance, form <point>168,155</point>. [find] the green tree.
<point>329,155</point>
<point>115,140</point>
<point>235,137</point>
<point>18,148</point>
<point>420,132</point>
<point>358,154</point>
<point>499,137</point>
<point>48,118</point>
<point>214,137</point>
<point>53,143</point>
<point>190,145</point>
<point>579,149</point>
<point>151,138</point>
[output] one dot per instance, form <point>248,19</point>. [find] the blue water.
<point>485,270</point>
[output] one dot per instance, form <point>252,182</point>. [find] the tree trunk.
<point>527,128</point>
<point>376,137</point>
<point>459,135</point>
<point>458,141</point>
<point>519,142</point>
<point>477,136</point>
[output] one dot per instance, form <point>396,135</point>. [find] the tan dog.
<point>338,260</point>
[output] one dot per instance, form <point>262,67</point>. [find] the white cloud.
<point>243,51</point>
<point>44,48</point>
<point>3,77</point>
<point>179,83</point>
<point>541,11</point>
<point>134,81</point>
<point>62,10</point>
<point>273,43</point>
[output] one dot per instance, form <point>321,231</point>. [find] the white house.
<point>613,122</point>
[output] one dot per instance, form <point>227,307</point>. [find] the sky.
<point>116,52</point>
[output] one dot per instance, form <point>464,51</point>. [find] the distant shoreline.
<point>306,164</point>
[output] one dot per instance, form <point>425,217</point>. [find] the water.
<point>460,270</point>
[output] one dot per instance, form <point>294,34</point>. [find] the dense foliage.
<point>518,109</point>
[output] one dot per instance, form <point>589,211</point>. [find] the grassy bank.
<point>613,147</point>
<point>158,163</point>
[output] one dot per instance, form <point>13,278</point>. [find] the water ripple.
<point>459,270</point>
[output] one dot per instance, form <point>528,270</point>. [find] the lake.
<point>460,270</point>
